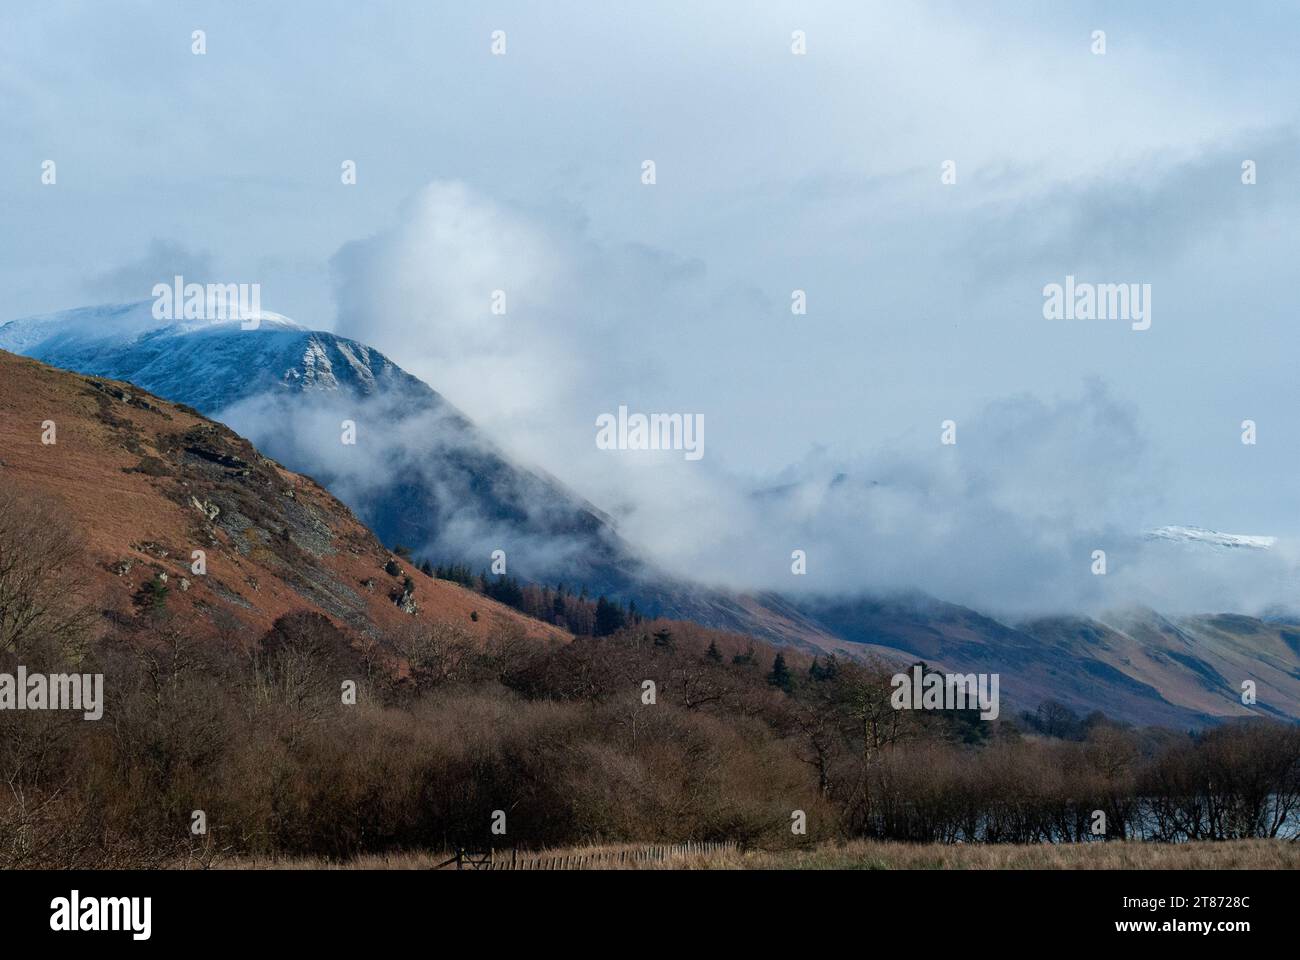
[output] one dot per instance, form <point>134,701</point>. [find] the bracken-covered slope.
<point>145,483</point>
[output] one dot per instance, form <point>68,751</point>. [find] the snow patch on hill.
<point>1210,538</point>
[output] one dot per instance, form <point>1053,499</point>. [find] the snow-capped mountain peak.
<point>206,363</point>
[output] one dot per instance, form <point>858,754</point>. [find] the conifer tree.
<point>780,675</point>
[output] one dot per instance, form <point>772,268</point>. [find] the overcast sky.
<point>775,172</point>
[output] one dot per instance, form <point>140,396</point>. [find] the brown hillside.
<point>145,482</point>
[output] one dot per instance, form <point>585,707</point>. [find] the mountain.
<point>420,473</point>
<point>141,484</point>
<point>1135,665</point>
<point>1197,663</point>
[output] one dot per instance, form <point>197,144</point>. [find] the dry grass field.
<point>870,855</point>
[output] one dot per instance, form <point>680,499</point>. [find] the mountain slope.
<point>1197,662</point>
<point>419,474</point>
<point>1133,665</point>
<point>1031,668</point>
<point>145,483</point>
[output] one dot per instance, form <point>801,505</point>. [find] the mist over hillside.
<point>1001,522</point>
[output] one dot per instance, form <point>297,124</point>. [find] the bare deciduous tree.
<point>41,560</point>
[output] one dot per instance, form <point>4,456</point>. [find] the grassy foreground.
<point>871,855</point>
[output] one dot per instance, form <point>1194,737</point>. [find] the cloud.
<point>1131,216</point>
<point>1006,520</point>
<point>163,260</point>
<point>419,473</point>
<point>423,292</point>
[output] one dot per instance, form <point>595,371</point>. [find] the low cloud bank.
<point>1007,519</point>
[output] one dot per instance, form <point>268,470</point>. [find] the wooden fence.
<point>592,860</point>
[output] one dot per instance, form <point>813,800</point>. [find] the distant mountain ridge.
<point>1134,664</point>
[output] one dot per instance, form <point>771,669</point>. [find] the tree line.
<point>560,606</point>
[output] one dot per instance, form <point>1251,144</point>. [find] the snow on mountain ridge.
<point>207,363</point>
<point>1214,538</point>
<point>113,323</point>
